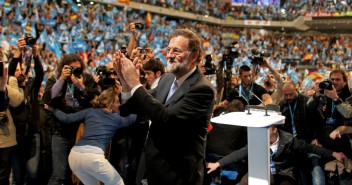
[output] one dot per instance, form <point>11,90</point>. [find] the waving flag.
<point>8,8</point>
<point>43,37</point>
<point>148,19</point>
<point>22,4</point>
<point>80,45</point>
<point>54,46</point>
<point>65,37</point>
<point>24,22</point>
<point>101,47</point>
<point>51,23</point>
<point>74,8</point>
<point>13,39</point>
<point>98,38</point>
<point>38,2</point>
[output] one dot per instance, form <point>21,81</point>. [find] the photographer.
<point>7,127</point>
<point>325,114</point>
<point>26,115</point>
<point>105,77</point>
<point>134,38</point>
<point>245,91</point>
<point>144,54</point>
<point>70,91</point>
<point>273,83</point>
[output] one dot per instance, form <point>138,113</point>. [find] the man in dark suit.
<point>175,147</point>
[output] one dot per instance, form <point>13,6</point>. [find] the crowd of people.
<point>255,9</point>
<point>62,33</point>
<point>62,60</point>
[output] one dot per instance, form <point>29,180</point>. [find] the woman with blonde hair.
<point>87,158</point>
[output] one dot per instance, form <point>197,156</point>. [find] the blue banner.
<point>43,37</point>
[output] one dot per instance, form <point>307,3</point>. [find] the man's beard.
<point>177,67</point>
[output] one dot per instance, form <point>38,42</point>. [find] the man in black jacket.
<point>179,108</point>
<point>326,117</point>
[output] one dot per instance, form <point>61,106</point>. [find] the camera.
<point>77,71</point>
<point>257,56</point>
<point>141,51</point>
<point>139,25</point>
<point>230,53</point>
<point>326,84</point>
<point>105,80</point>
<point>209,67</point>
<point>30,40</point>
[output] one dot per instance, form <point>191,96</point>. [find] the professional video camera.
<point>257,57</point>
<point>105,80</point>
<point>230,53</point>
<point>208,65</point>
<point>224,70</point>
<point>326,84</point>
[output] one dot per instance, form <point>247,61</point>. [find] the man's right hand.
<point>65,72</point>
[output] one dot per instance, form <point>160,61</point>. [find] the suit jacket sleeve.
<point>234,156</point>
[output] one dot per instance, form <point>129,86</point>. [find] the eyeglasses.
<point>175,51</point>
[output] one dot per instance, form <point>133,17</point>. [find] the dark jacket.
<point>83,99</point>
<point>285,157</point>
<point>322,130</point>
<point>175,148</point>
<point>302,119</point>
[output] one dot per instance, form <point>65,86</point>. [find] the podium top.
<point>256,119</point>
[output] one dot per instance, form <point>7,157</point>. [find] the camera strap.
<point>292,113</point>
<point>247,96</point>
<point>71,89</point>
<point>332,108</point>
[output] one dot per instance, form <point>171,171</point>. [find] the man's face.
<point>289,93</point>
<point>246,78</point>
<point>269,81</point>
<point>178,61</point>
<point>19,70</point>
<point>337,81</point>
<point>149,76</point>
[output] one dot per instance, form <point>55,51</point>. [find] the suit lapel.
<point>192,79</point>
<point>164,87</point>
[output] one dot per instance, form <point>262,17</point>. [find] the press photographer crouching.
<point>326,116</point>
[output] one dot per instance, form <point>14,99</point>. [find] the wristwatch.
<point>337,101</point>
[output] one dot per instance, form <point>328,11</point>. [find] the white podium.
<point>258,140</point>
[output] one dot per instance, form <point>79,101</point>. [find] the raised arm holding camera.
<point>24,89</point>
<point>324,106</point>
<point>70,91</point>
